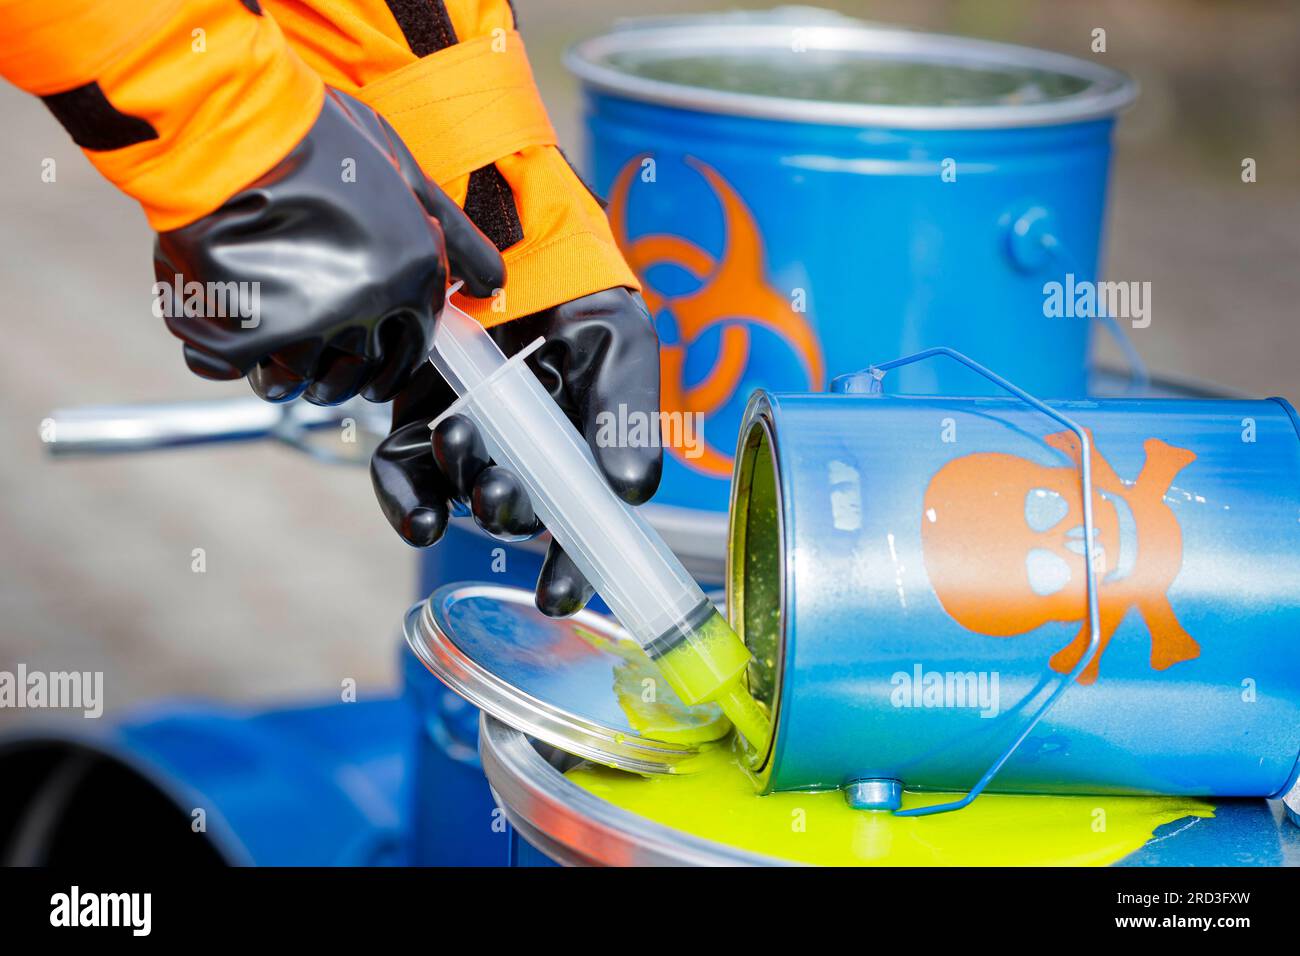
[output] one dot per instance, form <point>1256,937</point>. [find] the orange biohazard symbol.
<point>732,293</point>
<point>980,544</point>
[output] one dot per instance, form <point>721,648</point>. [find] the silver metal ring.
<point>1108,91</point>
<point>575,827</point>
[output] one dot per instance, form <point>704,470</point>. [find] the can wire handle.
<point>1139,377</point>
<point>877,374</point>
<point>1034,232</point>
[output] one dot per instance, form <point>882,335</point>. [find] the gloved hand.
<point>350,246</point>
<point>601,352</point>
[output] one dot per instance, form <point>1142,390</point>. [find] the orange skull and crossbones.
<point>976,538</point>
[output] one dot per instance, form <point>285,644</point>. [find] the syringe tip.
<point>746,715</point>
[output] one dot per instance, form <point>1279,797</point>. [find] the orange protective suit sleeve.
<point>453,78</point>
<point>180,103</point>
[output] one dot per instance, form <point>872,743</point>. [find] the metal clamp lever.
<point>110,429</point>
<point>877,374</point>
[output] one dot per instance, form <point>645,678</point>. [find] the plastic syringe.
<point>627,562</point>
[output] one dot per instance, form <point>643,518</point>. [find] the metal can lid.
<point>579,683</point>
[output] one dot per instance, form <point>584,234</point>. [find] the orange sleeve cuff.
<point>48,46</point>
<point>568,250</point>
<point>218,83</point>
<point>463,107</point>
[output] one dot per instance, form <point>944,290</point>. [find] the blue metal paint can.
<point>803,193</point>
<point>909,572</point>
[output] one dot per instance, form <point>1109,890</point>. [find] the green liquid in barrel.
<point>834,77</point>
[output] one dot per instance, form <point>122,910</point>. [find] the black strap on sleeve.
<point>425,24</point>
<point>489,201</point>
<point>94,123</point>
<point>490,205</point>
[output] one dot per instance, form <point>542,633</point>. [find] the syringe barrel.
<point>623,557</point>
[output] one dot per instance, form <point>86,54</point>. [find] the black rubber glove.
<point>601,352</point>
<point>349,244</point>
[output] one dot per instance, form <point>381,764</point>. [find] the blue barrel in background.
<point>790,226</point>
<point>909,572</point>
<point>186,783</point>
<point>454,820</point>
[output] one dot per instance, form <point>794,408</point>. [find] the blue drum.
<point>800,196</point>
<point>454,820</point>
<point>910,574</point>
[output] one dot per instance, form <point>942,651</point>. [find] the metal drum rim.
<point>1110,91</point>
<point>532,792</point>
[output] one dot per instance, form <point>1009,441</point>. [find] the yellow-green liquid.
<point>708,666</point>
<point>660,715</point>
<point>719,803</point>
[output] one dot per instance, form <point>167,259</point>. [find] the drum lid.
<point>579,683</point>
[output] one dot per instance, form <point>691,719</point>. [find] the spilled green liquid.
<point>719,803</point>
<point>835,77</point>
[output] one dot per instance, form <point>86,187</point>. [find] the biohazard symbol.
<point>732,294</point>
<point>978,538</point>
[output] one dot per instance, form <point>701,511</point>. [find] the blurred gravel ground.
<point>305,584</point>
